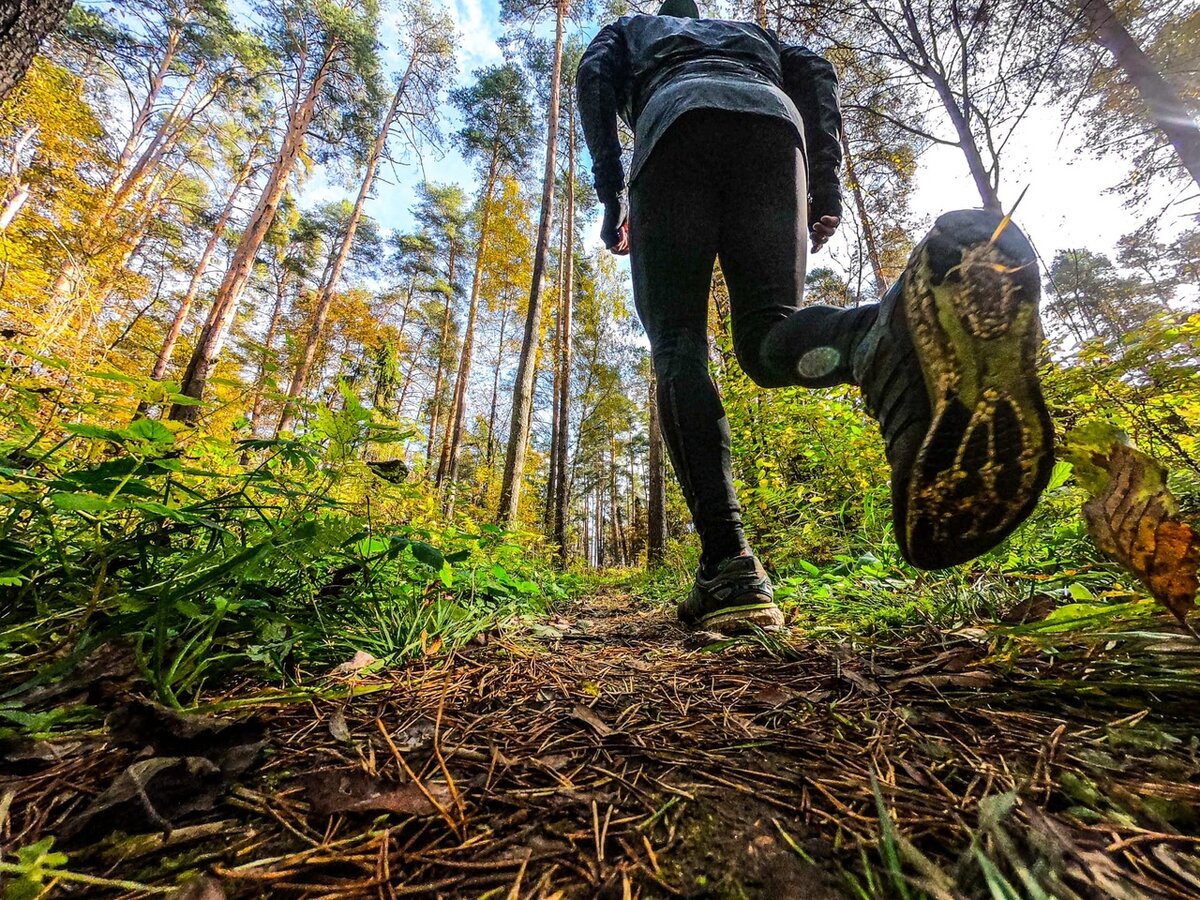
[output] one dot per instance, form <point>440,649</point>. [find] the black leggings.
<point>730,186</point>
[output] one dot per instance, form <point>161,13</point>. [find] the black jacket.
<point>652,69</point>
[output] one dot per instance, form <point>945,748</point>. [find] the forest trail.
<point>603,753</point>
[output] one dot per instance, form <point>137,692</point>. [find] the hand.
<point>615,229</point>
<point>622,248</point>
<point>822,230</point>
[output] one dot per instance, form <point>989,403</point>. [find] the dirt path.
<point>602,754</point>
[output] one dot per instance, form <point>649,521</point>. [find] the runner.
<point>736,157</point>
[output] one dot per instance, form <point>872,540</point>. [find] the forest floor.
<point>604,752</point>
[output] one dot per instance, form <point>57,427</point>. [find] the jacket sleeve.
<point>600,83</point>
<point>812,83</point>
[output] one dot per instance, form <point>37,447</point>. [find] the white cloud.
<point>478,24</point>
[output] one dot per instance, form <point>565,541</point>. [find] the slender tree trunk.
<point>518,441</point>
<point>585,535</point>
<point>491,446</point>
<point>408,378</point>
<point>552,479</point>
<point>23,27</point>
<point>268,344</point>
<point>329,285</point>
<point>448,467</point>
<point>614,504</point>
<point>157,79</point>
<point>562,488</point>
<point>552,467</point>
<point>966,143</point>
<point>208,346</point>
<point>601,543</point>
<point>656,522</point>
<point>1164,105</point>
<point>166,138</point>
<point>214,240</point>
<point>435,414</point>
<point>867,226</point>
<point>12,205</point>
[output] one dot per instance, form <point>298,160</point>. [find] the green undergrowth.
<point>1045,583</point>
<point>209,561</point>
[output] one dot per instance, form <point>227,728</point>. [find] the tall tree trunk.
<point>956,112</point>
<point>966,143</point>
<point>268,342</point>
<point>601,543</point>
<point>18,194</point>
<point>656,522</point>
<point>12,204</point>
<point>157,79</point>
<point>1167,110</point>
<point>562,488</point>
<point>448,466</point>
<point>585,536</point>
<point>23,27</point>
<point>552,479</point>
<point>204,356</point>
<point>491,445</point>
<point>518,440</point>
<point>165,139</point>
<point>435,411</point>
<point>329,284</point>
<point>408,378</point>
<point>552,467</point>
<point>614,503</point>
<point>865,220</point>
<point>214,240</point>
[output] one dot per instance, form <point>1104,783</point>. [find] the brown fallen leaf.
<point>772,696</point>
<point>1133,517</point>
<point>171,732</point>
<point>1031,609</point>
<point>151,795</point>
<point>866,685</point>
<point>334,791</point>
<point>201,888</point>
<point>108,672</point>
<point>338,727</point>
<point>976,678</point>
<point>359,661</point>
<point>593,721</point>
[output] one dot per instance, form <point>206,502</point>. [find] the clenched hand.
<point>822,230</point>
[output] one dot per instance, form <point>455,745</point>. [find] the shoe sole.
<point>738,619</point>
<point>971,303</point>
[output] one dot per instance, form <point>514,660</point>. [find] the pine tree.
<point>24,24</point>
<point>518,440</point>
<point>329,51</point>
<point>428,45</point>
<point>496,133</point>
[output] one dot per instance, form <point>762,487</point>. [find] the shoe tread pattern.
<point>988,451</point>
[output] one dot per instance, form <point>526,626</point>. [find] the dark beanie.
<point>684,9</point>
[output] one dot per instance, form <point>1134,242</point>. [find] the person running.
<point>737,149</point>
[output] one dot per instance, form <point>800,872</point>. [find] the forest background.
<point>310,347</point>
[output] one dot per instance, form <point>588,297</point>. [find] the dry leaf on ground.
<point>335,791</point>
<point>1133,517</point>
<point>151,795</point>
